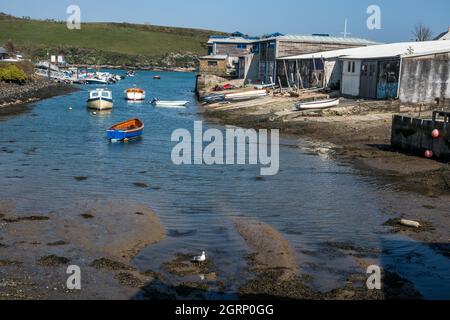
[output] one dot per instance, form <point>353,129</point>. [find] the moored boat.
<point>127,130</point>
<point>161,103</point>
<point>100,99</point>
<point>135,94</point>
<point>157,77</point>
<point>316,105</point>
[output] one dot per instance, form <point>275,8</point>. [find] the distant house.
<point>3,53</point>
<point>444,35</point>
<point>411,71</point>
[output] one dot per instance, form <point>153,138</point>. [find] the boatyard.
<point>89,178</point>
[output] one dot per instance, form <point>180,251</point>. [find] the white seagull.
<point>200,259</point>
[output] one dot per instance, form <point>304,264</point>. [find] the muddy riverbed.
<point>132,220</point>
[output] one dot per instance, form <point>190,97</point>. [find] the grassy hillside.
<point>124,42</point>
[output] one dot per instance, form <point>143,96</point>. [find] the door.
<point>369,74</point>
<point>351,78</point>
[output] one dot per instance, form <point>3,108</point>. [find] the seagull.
<point>200,259</point>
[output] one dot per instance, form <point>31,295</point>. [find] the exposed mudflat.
<point>40,248</point>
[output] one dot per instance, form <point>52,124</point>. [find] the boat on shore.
<point>316,105</point>
<point>100,99</point>
<point>162,103</point>
<point>135,94</point>
<point>127,130</point>
<point>244,96</point>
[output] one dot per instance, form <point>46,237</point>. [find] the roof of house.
<point>2,50</point>
<point>231,40</point>
<point>294,38</point>
<point>323,39</point>
<point>443,34</point>
<point>215,57</point>
<point>401,49</point>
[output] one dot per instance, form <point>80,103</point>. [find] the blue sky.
<point>254,17</point>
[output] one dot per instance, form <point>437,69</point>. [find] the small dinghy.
<point>127,130</point>
<point>135,94</point>
<point>244,96</point>
<point>316,105</point>
<point>161,103</point>
<point>157,78</point>
<point>100,99</point>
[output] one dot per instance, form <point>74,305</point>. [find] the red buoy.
<point>429,154</point>
<point>435,134</point>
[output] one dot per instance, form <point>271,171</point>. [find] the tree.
<point>422,33</point>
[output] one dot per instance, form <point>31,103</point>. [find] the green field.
<point>111,39</point>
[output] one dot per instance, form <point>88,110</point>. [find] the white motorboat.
<point>135,94</point>
<point>161,103</point>
<point>100,99</point>
<point>243,96</point>
<point>316,105</point>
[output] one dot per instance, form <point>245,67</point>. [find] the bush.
<point>12,73</point>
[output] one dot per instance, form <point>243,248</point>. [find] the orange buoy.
<point>429,154</point>
<point>435,134</point>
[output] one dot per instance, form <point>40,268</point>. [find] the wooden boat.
<point>127,130</point>
<point>316,105</point>
<point>244,96</point>
<point>161,103</point>
<point>135,94</point>
<point>100,99</point>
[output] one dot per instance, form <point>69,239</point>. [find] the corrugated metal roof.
<point>324,39</point>
<point>380,51</point>
<point>298,38</point>
<point>230,40</point>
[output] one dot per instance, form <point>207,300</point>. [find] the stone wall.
<point>413,135</point>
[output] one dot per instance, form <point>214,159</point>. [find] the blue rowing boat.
<point>127,130</point>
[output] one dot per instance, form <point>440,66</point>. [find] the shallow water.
<point>53,158</point>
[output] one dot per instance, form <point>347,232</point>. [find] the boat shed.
<point>376,72</point>
<point>269,50</point>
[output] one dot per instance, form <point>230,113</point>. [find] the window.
<point>242,46</point>
<point>353,66</point>
<point>212,63</point>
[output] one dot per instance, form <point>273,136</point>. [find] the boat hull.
<point>134,96</point>
<point>317,105</point>
<point>100,104</point>
<point>127,130</point>
<point>171,103</point>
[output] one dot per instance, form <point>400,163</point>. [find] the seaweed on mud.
<point>108,264</point>
<point>57,243</point>
<point>129,280</point>
<point>52,261</point>
<point>183,266</point>
<point>30,218</point>
<point>10,263</point>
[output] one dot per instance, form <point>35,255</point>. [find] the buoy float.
<point>429,154</point>
<point>70,108</point>
<point>94,113</point>
<point>435,134</point>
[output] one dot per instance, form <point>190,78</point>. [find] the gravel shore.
<point>35,89</point>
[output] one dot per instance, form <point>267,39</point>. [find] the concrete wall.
<point>426,78</point>
<point>414,136</point>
